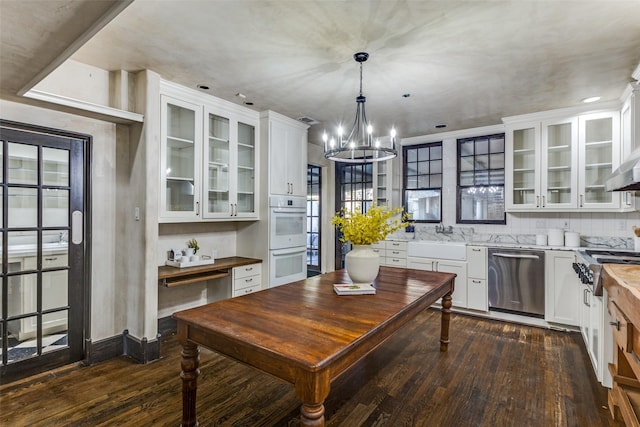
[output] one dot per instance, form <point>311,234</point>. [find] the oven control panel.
<point>583,272</point>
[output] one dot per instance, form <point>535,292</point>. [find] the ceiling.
<point>462,63</point>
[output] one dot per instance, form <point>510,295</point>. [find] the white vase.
<point>362,264</point>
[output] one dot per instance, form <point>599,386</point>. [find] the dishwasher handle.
<point>525,256</point>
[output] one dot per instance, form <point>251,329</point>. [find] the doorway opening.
<point>44,294</point>
<point>314,183</point>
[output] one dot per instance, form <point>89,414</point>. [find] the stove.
<point>589,267</point>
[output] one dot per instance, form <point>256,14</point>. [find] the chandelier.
<point>359,145</point>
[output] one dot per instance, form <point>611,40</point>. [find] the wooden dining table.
<point>305,334</point>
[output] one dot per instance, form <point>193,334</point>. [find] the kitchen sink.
<point>438,250</point>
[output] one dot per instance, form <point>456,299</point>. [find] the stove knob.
<point>576,267</point>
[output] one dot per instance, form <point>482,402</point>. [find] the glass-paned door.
<point>314,180</point>
<point>354,188</point>
<point>42,294</point>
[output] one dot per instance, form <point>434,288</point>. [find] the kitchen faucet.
<point>440,228</point>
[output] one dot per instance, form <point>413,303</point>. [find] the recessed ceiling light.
<point>440,126</point>
<point>248,103</point>
<point>241,95</point>
<point>203,87</point>
<point>591,99</point>
<point>406,95</point>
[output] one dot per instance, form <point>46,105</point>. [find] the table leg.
<point>444,327</point>
<point>190,363</point>
<point>312,388</point>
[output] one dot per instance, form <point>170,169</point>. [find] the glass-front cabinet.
<point>561,164</point>
<point>599,154</point>
<point>208,159</point>
<point>230,153</point>
<point>179,159</point>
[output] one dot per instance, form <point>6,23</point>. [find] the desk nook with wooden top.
<point>305,334</point>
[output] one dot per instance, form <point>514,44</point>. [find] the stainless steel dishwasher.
<point>516,281</point>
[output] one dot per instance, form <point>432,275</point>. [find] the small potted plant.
<point>192,246</point>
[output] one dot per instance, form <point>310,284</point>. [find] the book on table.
<point>354,289</point>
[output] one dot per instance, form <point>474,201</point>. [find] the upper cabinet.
<point>287,141</point>
<point>208,159</point>
<point>561,164</point>
<point>180,148</point>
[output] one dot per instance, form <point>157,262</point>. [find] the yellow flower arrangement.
<point>370,227</point>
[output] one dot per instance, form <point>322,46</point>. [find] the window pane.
<point>436,166</point>
<point>424,205</point>
<point>423,181</point>
<point>466,178</point>
<point>496,161</point>
<point>412,155</point>
<point>482,162</point>
<point>496,145</point>
<point>436,152</point>
<point>466,163</point>
<point>466,148</point>
<point>482,146</point>
<point>423,154</point>
<point>436,181</point>
<point>423,168</point>
<point>412,168</point>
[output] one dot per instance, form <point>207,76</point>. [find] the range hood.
<point>627,176</point>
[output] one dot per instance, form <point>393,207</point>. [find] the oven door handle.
<point>526,256</point>
<point>292,251</point>
<point>290,210</point>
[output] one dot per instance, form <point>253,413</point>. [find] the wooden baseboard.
<point>140,350</point>
<point>167,326</point>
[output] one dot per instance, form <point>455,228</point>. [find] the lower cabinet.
<point>563,288</point>
<point>393,253</point>
<point>246,279</point>
<point>477,292</point>
<point>459,297</point>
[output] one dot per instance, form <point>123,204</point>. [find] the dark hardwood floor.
<point>494,374</point>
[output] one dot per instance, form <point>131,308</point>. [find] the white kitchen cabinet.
<point>230,165</point>
<point>598,157</point>
<point>180,148</point>
<point>395,253</point>
<point>208,158</point>
<point>477,291</point>
<point>630,140</point>
<point>563,288</point>
<point>287,140</point>
<point>560,164</point>
<point>459,297</point>
<point>246,279</point>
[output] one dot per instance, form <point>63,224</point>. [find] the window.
<point>422,182</point>
<point>313,217</point>
<point>481,180</point>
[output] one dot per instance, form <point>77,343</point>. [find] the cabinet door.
<point>559,164</point>
<point>180,148</point>
<point>563,290</point>
<point>278,177</point>
<point>297,161</point>
<point>245,200</point>
<point>477,262</point>
<point>477,294</point>
<point>522,165</point>
<point>219,161</point>
<point>288,159</point>
<point>599,154</point>
<point>459,297</point>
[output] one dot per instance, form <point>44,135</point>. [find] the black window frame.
<point>405,189</point>
<point>460,188</point>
